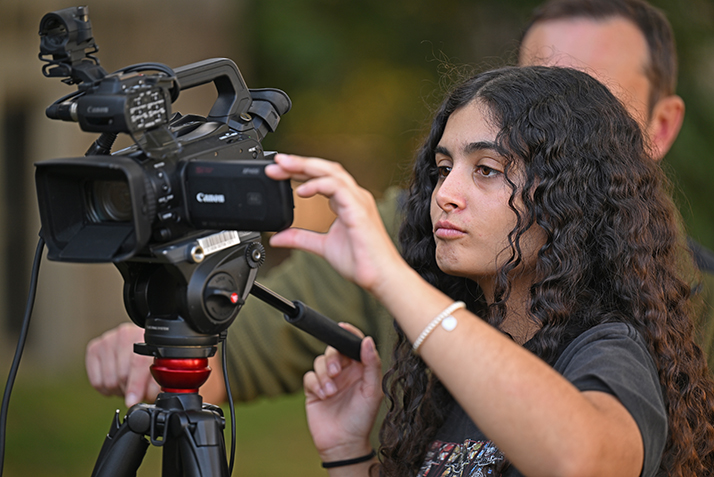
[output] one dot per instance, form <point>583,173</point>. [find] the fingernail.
<point>330,388</point>
<point>334,369</point>
<point>370,344</point>
<point>131,399</point>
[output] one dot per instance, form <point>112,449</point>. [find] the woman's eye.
<point>443,171</point>
<point>485,171</point>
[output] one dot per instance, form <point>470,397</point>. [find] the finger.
<point>327,186</point>
<point>123,348</point>
<point>352,329</point>
<point>300,167</point>
<point>108,372</point>
<point>312,387</point>
<point>336,361</point>
<point>275,172</point>
<point>324,377</point>
<point>121,342</point>
<point>152,390</point>
<point>372,377</point>
<point>138,380</point>
<point>93,365</point>
<point>298,238</point>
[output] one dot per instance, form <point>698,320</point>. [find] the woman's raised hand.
<point>357,244</point>
<point>342,398</point>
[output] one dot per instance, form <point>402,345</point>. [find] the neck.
<point>516,324</point>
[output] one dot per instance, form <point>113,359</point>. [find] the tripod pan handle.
<point>324,329</point>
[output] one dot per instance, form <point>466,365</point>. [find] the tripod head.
<point>190,291</point>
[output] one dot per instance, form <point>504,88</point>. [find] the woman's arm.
<point>541,422</point>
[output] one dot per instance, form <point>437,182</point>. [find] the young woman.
<point>542,300</point>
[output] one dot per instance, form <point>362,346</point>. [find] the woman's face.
<point>470,214</point>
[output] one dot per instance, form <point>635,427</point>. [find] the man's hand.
<point>114,369</point>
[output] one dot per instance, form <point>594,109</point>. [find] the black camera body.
<point>102,208</point>
<point>179,212</point>
<point>185,175</point>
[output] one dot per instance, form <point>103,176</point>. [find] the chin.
<point>451,268</point>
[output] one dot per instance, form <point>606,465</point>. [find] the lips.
<point>446,230</point>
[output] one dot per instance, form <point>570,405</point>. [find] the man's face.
<point>614,51</point>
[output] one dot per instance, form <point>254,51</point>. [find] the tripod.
<point>190,432</point>
<point>185,307</point>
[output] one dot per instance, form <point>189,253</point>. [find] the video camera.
<point>183,176</point>
<point>180,211</point>
<point>180,214</point>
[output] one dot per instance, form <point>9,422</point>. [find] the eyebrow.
<point>471,147</point>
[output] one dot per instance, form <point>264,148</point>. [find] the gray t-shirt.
<point>611,358</point>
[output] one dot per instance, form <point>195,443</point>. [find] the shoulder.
<point>614,358</point>
<point>610,346</point>
<point>604,334</point>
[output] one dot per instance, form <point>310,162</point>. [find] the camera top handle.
<point>233,95</point>
<point>242,108</point>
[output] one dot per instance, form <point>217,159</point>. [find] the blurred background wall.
<point>77,302</point>
<point>363,76</point>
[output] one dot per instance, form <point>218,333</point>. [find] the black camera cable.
<point>231,405</point>
<point>19,349</point>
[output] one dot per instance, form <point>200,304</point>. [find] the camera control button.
<point>164,182</point>
<point>165,199</point>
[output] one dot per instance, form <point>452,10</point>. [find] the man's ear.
<point>664,125</point>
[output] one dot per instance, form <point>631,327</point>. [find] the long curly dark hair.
<point>614,251</point>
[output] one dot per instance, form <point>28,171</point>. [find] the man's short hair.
<point>661,70</point>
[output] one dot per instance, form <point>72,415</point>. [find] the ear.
<point>664,125</point>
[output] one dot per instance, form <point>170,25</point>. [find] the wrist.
<point>349,462</point>
<point>392,280</point>
<point>346,452</point>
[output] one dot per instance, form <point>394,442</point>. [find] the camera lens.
<point>110,201</point>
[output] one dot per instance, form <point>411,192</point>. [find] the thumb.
<point>372,377</point>
<point>298,238</point>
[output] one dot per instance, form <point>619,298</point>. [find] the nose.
<point>449,193</point>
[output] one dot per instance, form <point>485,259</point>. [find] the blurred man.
<point>626,44</point>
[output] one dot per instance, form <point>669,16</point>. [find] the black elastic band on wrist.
<point>356,460</point>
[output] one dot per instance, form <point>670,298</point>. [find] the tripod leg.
<point>122,451</point>
<point>196,447</point>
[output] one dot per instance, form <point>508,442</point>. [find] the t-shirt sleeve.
<point>613,358</point>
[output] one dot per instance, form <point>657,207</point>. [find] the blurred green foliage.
<point>56,427</point>
<point>365,75</point>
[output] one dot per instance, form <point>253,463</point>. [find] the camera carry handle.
<point>233,95</point>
